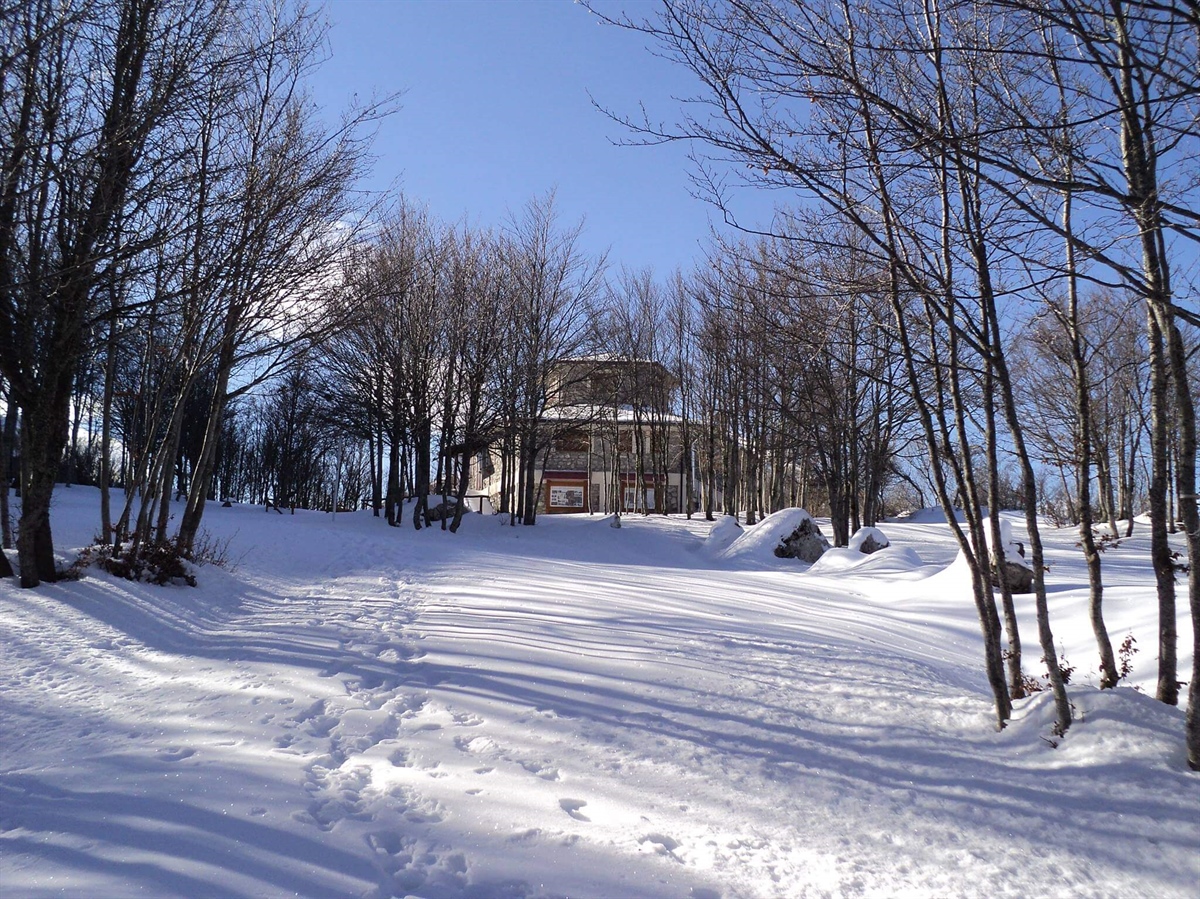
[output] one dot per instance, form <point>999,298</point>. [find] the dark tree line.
<point>168,209</point>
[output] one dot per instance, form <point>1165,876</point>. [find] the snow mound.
<point>862,535</point>
<point>891,561</point>
<point>932,515</point>
<point>726,530</point>
<point>1111,726</point>
<point>759,541</point>
<point>1014,550</point>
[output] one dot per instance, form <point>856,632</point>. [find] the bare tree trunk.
<point>1160,549</point>
<point>189,525</point>
<point>1186,488</point>
<point>110,368</point>
<point>1062,703</point>
<point>421,472</point>
<point>377,432</point>
<point>43,435</point>
<point>506,472</point>
<point>710,473</point>
<point>7,441</point>
<point>6,438</point>
<point>529,498</point>
<point>1016,680</point>
<point>1083,442</point>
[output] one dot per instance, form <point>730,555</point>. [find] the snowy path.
<point>567,710</point>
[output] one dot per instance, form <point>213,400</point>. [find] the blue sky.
<point>496,110</point>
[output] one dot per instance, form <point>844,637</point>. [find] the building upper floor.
<point>610,380</point>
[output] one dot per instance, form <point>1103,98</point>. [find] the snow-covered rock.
<point>760,542</point>
<point>726,529</point>
<point>899,562</point>
<point>868,540</point>
<point>805,543</point>
<point>1018,570</point>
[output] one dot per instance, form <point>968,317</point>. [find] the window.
<point>604,387</point>
<point>485,465</point>
<point>633,498</point>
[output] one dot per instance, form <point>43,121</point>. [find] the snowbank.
<point>724,531</point>
<point>862,535</point>
<point>758,542</point>
<point>1014,550</point>
<point>891,562</point>
<point>568,709</point>
<point>932,515</point>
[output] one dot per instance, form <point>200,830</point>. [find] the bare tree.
<point>556,285</point>
<point>6,435</point>
<point>681,322</point>
<point>79,152</point>
<point>855,150</point>
<point>960,92</point>
<point>294,215</point>
<point>480,298</point>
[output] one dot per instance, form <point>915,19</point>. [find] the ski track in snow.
<point>559,711</point>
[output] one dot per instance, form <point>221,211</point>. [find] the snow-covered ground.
<point>571,710</point>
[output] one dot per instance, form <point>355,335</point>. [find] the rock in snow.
<point>868,540</point>
<point>805,543</point>
<point>1018,570</point>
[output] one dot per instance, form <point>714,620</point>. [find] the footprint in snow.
<point>311,711</point>
<point>661,844</point>
<point>373,680</point>
<point>477,744</point>
<point>322,725</point>
<point>545,772</point>
<point>526,836</point>
<point>572,807</point>
<point>175,753</point>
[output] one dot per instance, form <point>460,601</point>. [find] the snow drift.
<point>568,709</point>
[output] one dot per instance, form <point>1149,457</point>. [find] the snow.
<point>862,535</point>
<point>572,710</point>
<point>934,515</point>
<point>758,543</point>
<point>1014,550</point>
<point>896,562</point>
<point>589,412</point>
<point>724,531</point>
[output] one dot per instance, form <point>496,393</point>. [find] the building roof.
<point>588,412</point>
